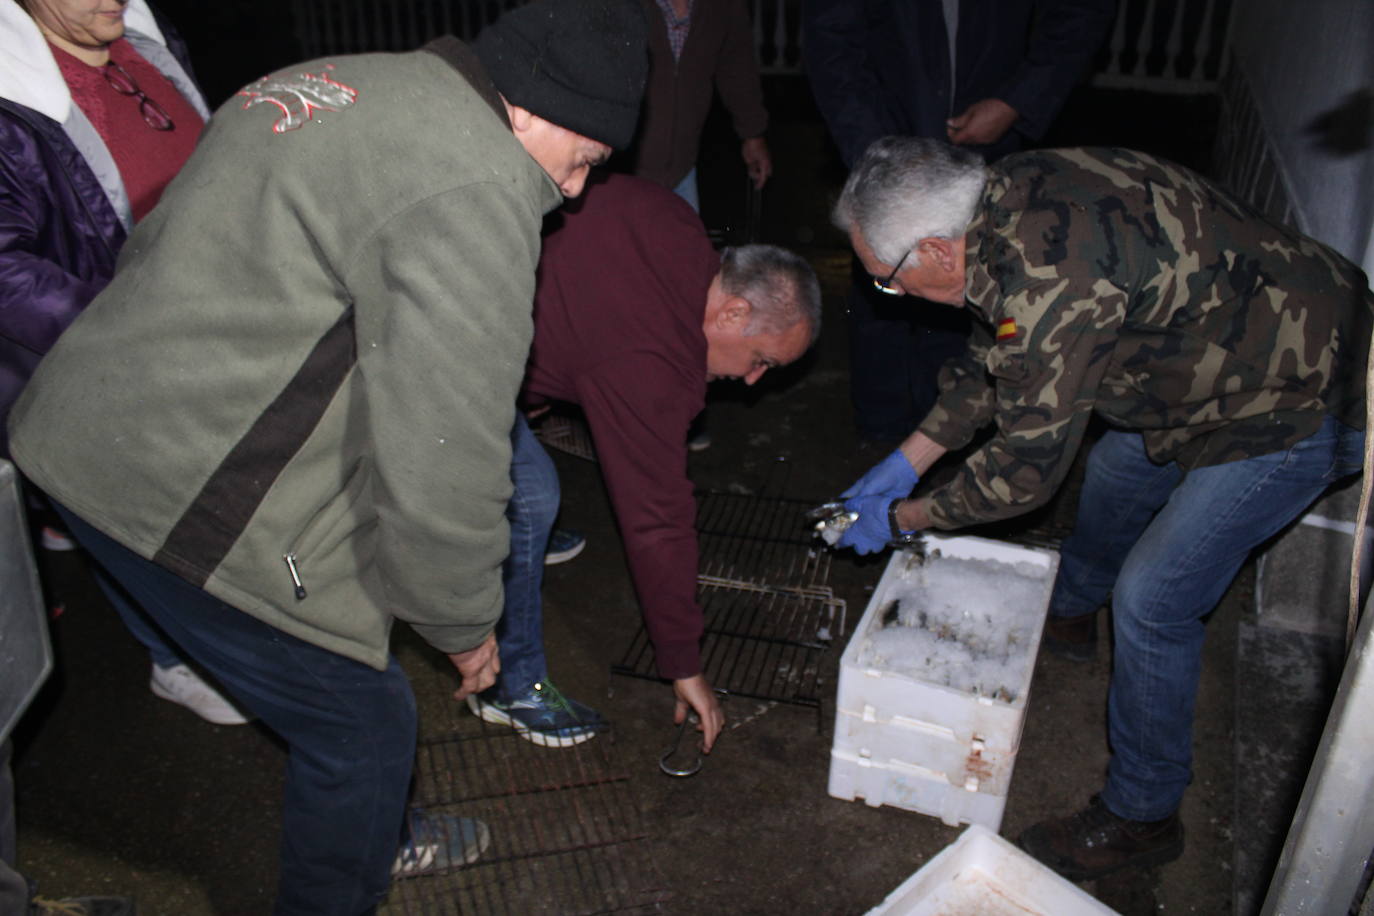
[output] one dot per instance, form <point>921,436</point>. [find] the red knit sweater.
<point>147,159</point>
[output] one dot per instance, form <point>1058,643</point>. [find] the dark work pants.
<point>897,345</point>
<point>350,730</point>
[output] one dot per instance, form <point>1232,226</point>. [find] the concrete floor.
<point>121,792</point>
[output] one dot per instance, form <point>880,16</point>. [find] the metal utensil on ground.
<point>678,762</point>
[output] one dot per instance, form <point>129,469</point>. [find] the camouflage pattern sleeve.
<point>966,396</point>
<point>1054,338</point>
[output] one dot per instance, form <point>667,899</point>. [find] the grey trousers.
<point>14,889</point>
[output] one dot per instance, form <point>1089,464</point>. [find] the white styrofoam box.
<point>968,764</point>
<point>912,787</point>
<point>981,874</point>
<point>881,695</point>
<point>900,720</point>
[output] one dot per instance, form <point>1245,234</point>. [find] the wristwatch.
<point>900,538</point>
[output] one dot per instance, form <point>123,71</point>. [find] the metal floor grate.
<point>770,616</point>
<point>566,432</point>
<point>566,833</point>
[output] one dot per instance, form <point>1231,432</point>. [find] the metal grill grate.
<point>566,834</point>
<point>770,617</point>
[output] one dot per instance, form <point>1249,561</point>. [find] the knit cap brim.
<point>580,64</point>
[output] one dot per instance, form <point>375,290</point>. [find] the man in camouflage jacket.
<point>1227,356</point>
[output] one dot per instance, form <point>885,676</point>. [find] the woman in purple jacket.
<point>97,112</point>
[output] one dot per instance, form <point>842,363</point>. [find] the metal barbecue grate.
<point>566,834</point>
<point>770,616</point>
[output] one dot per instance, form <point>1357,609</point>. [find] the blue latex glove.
<point>871,532</point>
<point>893,476</point>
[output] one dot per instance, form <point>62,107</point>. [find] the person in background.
<point>98,111</point>
<point>285,424</point>
<point>635,347</point>
<point>1227,355</point>
<point>989,75</point>
<point>696,49</point>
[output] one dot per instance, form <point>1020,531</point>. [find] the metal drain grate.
<point>770,617</point>
<point>566,432</point>
<point>566,833</point>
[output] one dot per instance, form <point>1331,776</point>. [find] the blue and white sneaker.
<point>434,842</point>
<point>542,715</point>
<point>564,544</point>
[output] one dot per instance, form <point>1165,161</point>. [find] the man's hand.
<point>893,476</point>
<point>871,533</point>
<point>478,667</point>
<point>757,160</point>
<point>982,123</point>
<point>696,693</point>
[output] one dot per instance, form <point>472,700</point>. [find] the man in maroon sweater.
<point>634,313</point>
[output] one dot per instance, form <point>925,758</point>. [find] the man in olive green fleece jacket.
<point>286,422</point>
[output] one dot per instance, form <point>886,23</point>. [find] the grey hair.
<point>779,284</point>
<point>904,189</point>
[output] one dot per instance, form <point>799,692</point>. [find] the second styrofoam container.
<point>981,874</point>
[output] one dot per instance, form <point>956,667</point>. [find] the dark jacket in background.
<point>881,67</point>
<point>718,56</point>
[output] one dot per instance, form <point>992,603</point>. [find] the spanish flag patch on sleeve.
<point>1006,329</point>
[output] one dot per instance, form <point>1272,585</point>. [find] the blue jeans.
<point>1165,544</point>
<point>140,624</point>
<point>350,730</point>
<point>531,513</point>
<point>687,189</point>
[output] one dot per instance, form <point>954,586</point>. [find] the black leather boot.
<point>1095,842</point>
<point>1074,638</point>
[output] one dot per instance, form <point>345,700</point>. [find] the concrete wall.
<point>1310,69</point>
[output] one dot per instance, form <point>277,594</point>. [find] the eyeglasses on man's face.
<point>154,115</point>
<point>885,284</point>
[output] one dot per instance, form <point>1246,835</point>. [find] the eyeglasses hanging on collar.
<point>154,115</point>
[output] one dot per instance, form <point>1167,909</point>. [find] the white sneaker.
<point>182,685</point>
<point>55,540</point>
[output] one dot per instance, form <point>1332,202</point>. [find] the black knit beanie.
<point>580,64</point>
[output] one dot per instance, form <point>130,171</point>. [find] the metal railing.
<point>1155,45</point>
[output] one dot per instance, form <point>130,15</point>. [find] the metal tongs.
<point>676,762</point>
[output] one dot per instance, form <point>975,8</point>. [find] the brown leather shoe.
<point>1074,638</point>
<point>1095,842</point>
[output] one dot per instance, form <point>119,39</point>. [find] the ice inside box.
<point>966,623</point>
